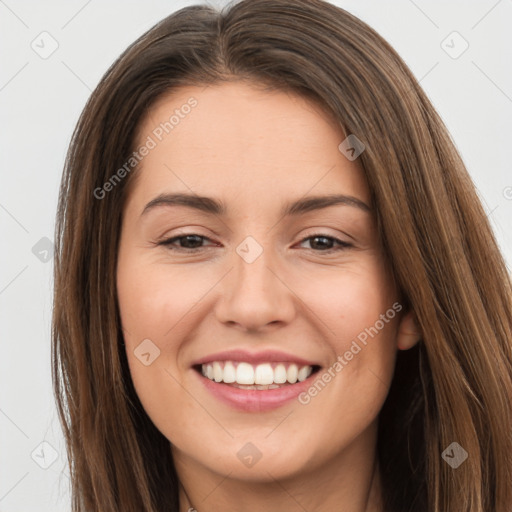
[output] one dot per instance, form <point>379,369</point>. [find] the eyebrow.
<point>217,207</point>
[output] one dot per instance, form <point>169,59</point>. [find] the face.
<point>256,287</point>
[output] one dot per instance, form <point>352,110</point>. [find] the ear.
<point>408,331</point>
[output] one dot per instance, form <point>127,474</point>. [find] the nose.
<point>255,296</point>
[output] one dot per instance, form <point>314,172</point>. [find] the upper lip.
<point>265,356</point>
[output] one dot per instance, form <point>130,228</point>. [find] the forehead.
<point>238,141</point>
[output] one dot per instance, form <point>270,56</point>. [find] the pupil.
<point>320,238</point>
<point>191,238</point>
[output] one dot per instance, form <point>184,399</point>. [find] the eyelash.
<point>168,243</point>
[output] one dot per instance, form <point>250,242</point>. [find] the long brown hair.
<point>454,386</point>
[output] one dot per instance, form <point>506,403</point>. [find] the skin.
<point>236,145</point>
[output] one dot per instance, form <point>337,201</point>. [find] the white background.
<point>41,99</point>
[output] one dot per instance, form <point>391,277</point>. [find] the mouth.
<point>255,387</point>
<point>263,376</point>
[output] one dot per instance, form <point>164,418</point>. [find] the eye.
<point>325,243</point>
<point>191,242</point>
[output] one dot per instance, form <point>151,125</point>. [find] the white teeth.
<point>244,373</point>
<point>261,376</point>
<point>280,374</point>
<point>291,374</point>
<point>229,373</point>
<point>304,373</point>
<point>264,374</point>
<point>217,372</point>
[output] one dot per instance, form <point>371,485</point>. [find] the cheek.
<point>154,301</point>
<point>150,304</point>
<point>351,300</point>
<point>357,307</point>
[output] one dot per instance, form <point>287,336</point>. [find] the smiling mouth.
<point>260,377</point>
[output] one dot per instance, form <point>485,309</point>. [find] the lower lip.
<point>255,400</point>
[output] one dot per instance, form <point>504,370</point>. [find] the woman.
<point>209,351</point>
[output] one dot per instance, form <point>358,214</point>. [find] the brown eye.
<point>324,243</point>
<point>187,243</point>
